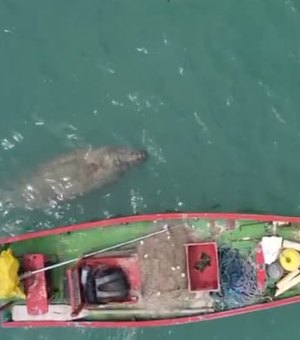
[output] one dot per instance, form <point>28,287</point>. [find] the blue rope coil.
<point>238,278</point>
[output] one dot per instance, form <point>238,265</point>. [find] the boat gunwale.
<point>145,218</point>
<point>153,323</point>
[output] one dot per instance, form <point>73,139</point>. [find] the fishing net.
<point>163,269</point>
<point>238,278</point>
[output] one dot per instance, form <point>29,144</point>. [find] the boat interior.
<point>154,270</point>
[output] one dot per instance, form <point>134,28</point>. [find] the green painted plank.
<point>68,245</point>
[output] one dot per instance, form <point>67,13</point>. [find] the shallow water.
<point>210,89</point>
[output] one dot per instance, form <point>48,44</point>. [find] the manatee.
<point>75,174</point>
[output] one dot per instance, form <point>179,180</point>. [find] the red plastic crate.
<point>36,285</point>
<point>209,278</point>
<point>128,263</point>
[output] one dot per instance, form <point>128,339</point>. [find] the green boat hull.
<point>236,231</point>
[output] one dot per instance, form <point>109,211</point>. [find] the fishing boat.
<point>149,270</point>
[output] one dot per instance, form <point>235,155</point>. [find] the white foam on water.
<point>7,144</point>
<point>126,334</point>
<point>42,337</point>
<point>265,88</point>
<point>134,98</point>
<point>117,103</point>
<point>137,201</point>
<point>145,104</point>
<point>142,50</point>
<point>290,4</point>
<point>70,135</point>
<point>277,115</point>
<point>200,122</point>
<point>107,214</point>
<point>153,148</point>
<point>37,120</point>
<point>17,137</point>
<point>39,123</point>
<point>202,125</point>
<point>181,70</point>
<point>179,203</point>
<point>165,39</point>
<point>229,101</point>
<point>105,67</point>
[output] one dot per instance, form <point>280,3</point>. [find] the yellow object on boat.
<point>9,279</point>
<point>289,259</point>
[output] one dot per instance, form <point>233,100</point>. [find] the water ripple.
<point>137,201</point>
<point>153,148</point>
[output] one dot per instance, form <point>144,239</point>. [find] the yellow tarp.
<point>9,279</point>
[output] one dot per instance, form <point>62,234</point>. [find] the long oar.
<point>60,264</point>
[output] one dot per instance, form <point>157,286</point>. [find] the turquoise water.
<point>209,88</point>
